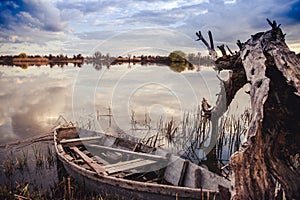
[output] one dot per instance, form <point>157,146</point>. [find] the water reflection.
<point>31,100</point>
<point>138,89</point>
<point>180,67</point>
<point>132,98</point>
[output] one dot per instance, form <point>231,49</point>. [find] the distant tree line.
<point>176,60</point>
<point>28,60</point>
<point>98,57</point>
<point>98,60</point>
<point>50,56</point>
<point>195,59</point>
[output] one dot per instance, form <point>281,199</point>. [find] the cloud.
<point>222,17</point>
<point>157,41</point>
<point>29,20</point>
<point>78,24</point>
<point>108,15</point>
<point>238,20</point>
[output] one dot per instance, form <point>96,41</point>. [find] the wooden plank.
<point>60,148</point>
<point>96,167</point>
<point>210,180</point>
<point>142,155</point>
<point>130,166</point>
<point>199,177</point>
<point>122,163</point>
<point>64,141</point>
<point>175,171</point>
<point>68,157</point>
<point>193,176</point>
<point>101,160</point>
<point>66,133</point>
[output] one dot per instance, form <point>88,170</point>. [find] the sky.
<point>138,27</point>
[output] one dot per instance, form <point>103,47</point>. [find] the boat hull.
<point>128,189</point>
<point>101,186</point>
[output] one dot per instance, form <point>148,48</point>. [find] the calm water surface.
<point>34,100</point>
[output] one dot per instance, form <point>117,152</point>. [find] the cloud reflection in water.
<point>31,100</point>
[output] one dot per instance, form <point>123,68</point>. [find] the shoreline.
<point>39,61</point>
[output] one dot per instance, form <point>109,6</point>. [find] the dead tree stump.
<point>266,159</point>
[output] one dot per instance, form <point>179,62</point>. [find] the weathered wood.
<point>83,139</point>
<point>175,171</point>
<point>222,49</point>
<point>128,144</point>
<point>60,148</point>
<point>128,165</point>
<point>67,133</point>
<point>68,157</point>
<point>224,193</point>
<point>240,44</point>
<point>123,163</point>
<point>89,161</point>
<point>229,50</point>
<point>274,73</point>
<point>193,176</point>
<point>200,37</point>
<point>128,186</point>
<point>211,49</point>
<point>265,159</point>
<point>199,177</point>
<point>212,180</point>
<point>211,40</point>
<point>100,160</point>
<point>138,154</point>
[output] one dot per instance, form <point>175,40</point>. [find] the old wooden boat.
<point>123,167</point>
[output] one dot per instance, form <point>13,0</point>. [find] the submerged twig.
<point>47,137</point>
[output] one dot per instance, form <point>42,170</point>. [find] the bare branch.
<point>200,37</point>
<point>210,48</point>
<point>222,49</point>
<point>273,24</point>
<point>229,50</point>
<point>240,44</point>
<point>211,40</point>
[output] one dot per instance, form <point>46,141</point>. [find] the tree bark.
<point>266,158</point>
<point>272,139</point>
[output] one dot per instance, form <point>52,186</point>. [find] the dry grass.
<point>22,161</point>
<point>39,157</point>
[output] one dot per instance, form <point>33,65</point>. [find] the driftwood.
<point>29,141</point>
<point>265,160</point>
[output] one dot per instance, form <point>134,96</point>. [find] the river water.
<point>32,99</point>
<point>118,98</point>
